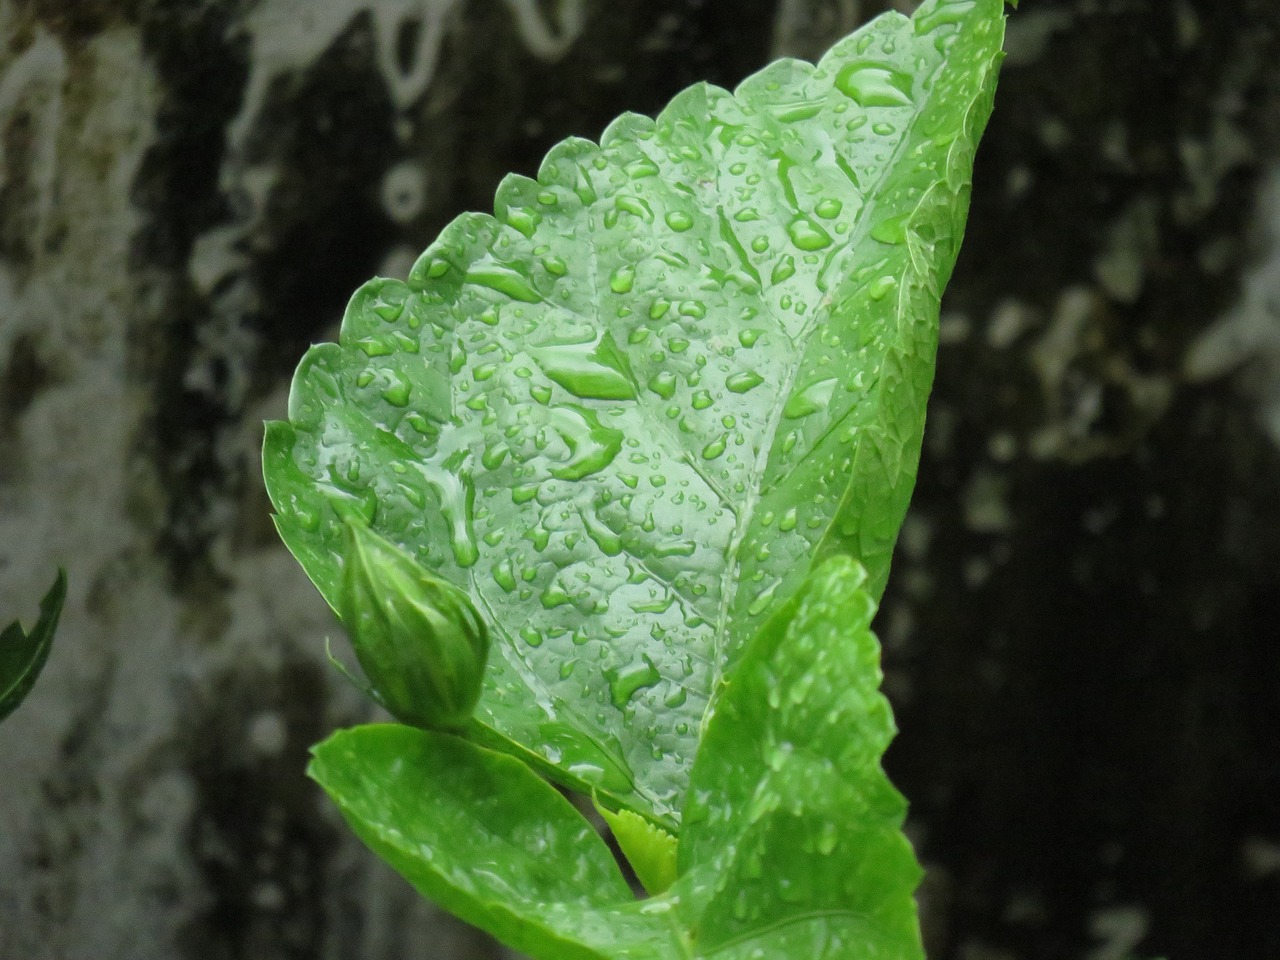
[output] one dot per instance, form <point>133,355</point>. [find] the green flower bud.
<point>420,641</point>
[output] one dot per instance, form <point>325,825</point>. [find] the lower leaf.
<point>22,654</point>
<point>486,838</point>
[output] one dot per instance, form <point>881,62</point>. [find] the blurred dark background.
<point>1081,634</point>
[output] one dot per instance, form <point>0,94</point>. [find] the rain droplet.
<point>873,85</point>
<point>641,168</point>
<point>420,423</point>
<point>609,542</point>
<point>715,448</point>
<point>388,310</point>
<point>674,548</point>
<point>554,596</point>
<point>523,219</point>
<point>594,370</point>
<point>829,209</point>
<point>306,517</point>
<point>373,347</point>
<point>623,279</point>
<point>891,229</point>
<point>763,599</point>
<point>946,13</point>
<point>493,455</point>
<point>661,605</point>
<point>592,446</point>
<point>626,682</point>
<point>811,399</point>
<point>397,392</point>
<point>457,496</point>
<point>807,235</point>
<point>879,288</point>
<point>504,280</point>
<point>827,838</point>
<point>663,384</point>
<point>504,576</point>
<point>635,206</point>
<point>783,269</point>
<point>743,381</point>
<point>678,220</point>
<point>798,110</point>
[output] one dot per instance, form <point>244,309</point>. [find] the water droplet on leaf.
<point>873,85</point>
<point>807,235</point>
<point>811,399</point>
<point>626,682</point>
<point>678,220</point>
<point>743,381</point>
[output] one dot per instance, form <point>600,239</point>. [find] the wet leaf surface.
<point>629,412</point>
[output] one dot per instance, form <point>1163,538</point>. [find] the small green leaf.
<point>650,850</point>
<point>789,809</point>
<point>630,411</point>
<point>22,654</point>
<point>485,837</point>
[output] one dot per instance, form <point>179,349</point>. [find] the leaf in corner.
<point>631,411</point>
<point>485,837</point>
<point>22,654</point>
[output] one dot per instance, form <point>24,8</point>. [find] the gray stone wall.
<point>1081,637</point>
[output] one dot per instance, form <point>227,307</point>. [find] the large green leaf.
<point>631,411</point>
<point>23,654</point>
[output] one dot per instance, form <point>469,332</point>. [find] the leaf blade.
<point>22,654</point>
<point>788,810</point>
<point>625,403</point>
<point>482,835</point>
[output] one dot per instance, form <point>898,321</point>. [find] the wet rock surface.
<point>1080,634</point>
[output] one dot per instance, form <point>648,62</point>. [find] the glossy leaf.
<point>23,654</point>
<point>650,850</point>
<point>788,802</point>
<point>631,411</point>
<point>485,837</point>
